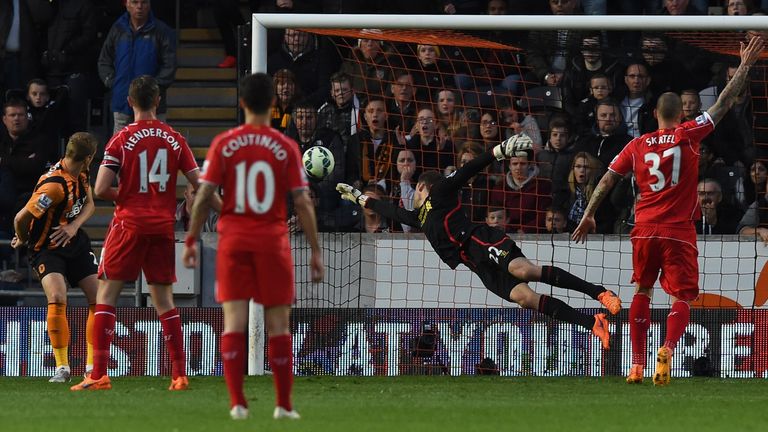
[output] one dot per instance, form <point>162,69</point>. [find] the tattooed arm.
<point>736,86</point>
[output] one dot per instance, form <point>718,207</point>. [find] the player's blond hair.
<point>669,106</point>
<point>80,146</point>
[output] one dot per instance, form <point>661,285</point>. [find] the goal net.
<point>388,306</point>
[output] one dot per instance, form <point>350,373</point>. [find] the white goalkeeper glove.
<point>351,194</point>
<point>519,145</point>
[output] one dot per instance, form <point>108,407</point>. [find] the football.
<point>318,162</point>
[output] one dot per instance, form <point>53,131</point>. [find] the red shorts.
<point>127,252</point>
<point>265,277</point>
<point>672,251</point>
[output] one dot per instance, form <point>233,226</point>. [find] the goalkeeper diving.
<point>486,250</point>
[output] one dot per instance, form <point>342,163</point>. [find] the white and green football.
<point>318,162</point>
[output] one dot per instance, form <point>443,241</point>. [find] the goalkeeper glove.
<point>519,145</point>
<point>351,194</point>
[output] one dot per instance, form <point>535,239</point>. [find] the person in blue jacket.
<point>137,44</point>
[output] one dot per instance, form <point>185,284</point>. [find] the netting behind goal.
<point>389,306</point>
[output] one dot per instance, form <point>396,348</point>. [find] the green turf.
<point>393,404</point>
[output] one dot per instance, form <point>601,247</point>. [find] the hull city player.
<point>665,166</point>
<point>257,167</point>
<point>145,156</point>
<point>60,251</point>
<point>485,250</point>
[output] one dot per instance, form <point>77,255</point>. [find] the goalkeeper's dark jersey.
<point>440,217</point>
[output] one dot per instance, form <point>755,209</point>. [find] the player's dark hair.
<point>555,209</point>
<point>80,146</point>
<point>496,209</point>
<point>471,147</point>
<point>36,81</point>
<point>669,106</point>
<point>143,91</point>
<point>376,99</point>
<point>560,123</point>
<point>611,103</point>
<point>340,77</point>
<point>257,91</point>
<point>304,105</point>
<point>15,103</point>
<point>430,178</point>
<point>691,92</point>
<point>375,188</point>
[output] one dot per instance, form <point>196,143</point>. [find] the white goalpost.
<point>261,22</point>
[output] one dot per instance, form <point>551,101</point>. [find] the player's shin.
<point>281,362</point>
<point>174,342</point>
<point>558,277</point>
<point>58,332</point>
<point>559,310</point>
<point>89,337</point>
<point>233,357</point>
<point>103,331</point>
<point>677,321</point>
<point>639,323</point>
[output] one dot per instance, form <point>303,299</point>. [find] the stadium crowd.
<point>389,110</point>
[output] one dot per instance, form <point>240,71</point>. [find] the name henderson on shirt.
<point>151,132</point>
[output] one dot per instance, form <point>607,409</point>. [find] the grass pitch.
<point>392,404</point>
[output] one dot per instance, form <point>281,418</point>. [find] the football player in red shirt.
<point>146,155</point>
<point>665,165</point>
<point>257,167</point>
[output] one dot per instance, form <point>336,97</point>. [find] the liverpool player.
<point>60,251</point>
<point>146,157</point>
<point>487,250</point>
<point>665,165</point>
<point>257,167</point>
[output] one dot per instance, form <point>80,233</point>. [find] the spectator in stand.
<point>754,184</point>
<point>23,152</point>
<point>47,112</point>
<point>666,72</point>
<point>733,139</point>
<point>430,72</point>
<point>310,60</point>
<point>490,133</point>
<point>377,145</point>
<point>368,67</point>
<point>370,221</point>
<point>549,52</point>
<point>691,104</point>
<point>462,7</point>
<point>451,122</point>
<point>515,123</point>
<point>685,7</point>
<point>21,24</point>
<point>474,195</point>
<point>404,189</point>
<point>739,7</point>
<point>754,224</point>
<point>137,44</point>
<point>286,95</point>
<point>555,222</point>
<point>497,218</point>
<point>600,89</point>
<point>342,113</point>
<point>554,161</point>
<point>402,108</point>
<point>716,216</point>
<point>432,152</point>
<point>590,61</point>
<point>184,213</point>
<point>524,196</point>
<point>608,138</point>
<point>638,104</point>
<point>583,177</point>
<point>69,57</point>
<point>330,212</point>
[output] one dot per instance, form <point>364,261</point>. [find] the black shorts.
<point>75,261</point>
<point>488,253</point>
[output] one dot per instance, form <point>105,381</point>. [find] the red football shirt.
<point>256,167</point>
<point>666,168</point>
<point>147,156</point>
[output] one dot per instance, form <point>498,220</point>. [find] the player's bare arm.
<point>103,188</point>
<point>200,209</point>
<point>194,178</point>
<point>736,86</point>
<point>306,213</point>
<point>21,227</point>
<point>587,224</point>
<point>62,234</point>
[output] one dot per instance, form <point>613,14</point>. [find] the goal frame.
<point>261,22</point>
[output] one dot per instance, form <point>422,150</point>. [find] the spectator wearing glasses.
<point>600,89</point>
<point>716,216</point>
<point>432,151</point>
<point>343,112</point>
<point>402,107</point>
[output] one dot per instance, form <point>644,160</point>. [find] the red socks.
<point>677,321</point>
<point>281,361</point>
<point>639,323</point>
<point>103,331</point>
<point>233,356</point>
<point>174,342</point>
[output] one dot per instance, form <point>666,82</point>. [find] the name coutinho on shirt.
<point>151,132</point>
<point>245,140</point>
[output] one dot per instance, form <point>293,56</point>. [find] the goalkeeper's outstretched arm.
<point>386,209</point>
